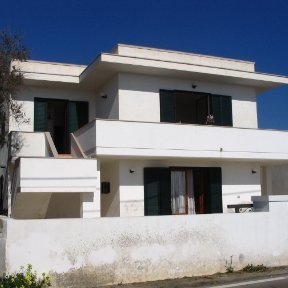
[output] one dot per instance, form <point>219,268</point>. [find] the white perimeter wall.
<point>27,94</point>
<point>139,98</point>
<point>238,183</point>
<point>94,252</point>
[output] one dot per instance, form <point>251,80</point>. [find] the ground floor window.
<point>182,190</point>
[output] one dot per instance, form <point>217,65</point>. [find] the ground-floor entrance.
<point>182,190</point>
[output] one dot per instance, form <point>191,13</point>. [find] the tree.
<point>12,52</point>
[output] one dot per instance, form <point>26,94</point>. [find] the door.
<point>60,118</point>
<point>208,190</point>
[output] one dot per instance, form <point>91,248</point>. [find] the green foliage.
<point>251,268</point>
<point>229,265</point>
<point>25,278</point>
<point>12,52</point>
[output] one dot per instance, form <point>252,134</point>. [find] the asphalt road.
<point>276,277</point>
<point>278,282</point>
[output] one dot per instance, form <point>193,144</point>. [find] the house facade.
<point>141,132</point>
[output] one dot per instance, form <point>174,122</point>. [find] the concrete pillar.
<point>91,202</point>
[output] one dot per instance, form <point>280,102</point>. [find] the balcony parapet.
<point>148,139</point>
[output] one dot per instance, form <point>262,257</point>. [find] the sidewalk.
<point>207,281</point>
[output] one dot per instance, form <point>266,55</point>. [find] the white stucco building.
<point>154,132</point>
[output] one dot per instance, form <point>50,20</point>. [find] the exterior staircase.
<point>44,184</point>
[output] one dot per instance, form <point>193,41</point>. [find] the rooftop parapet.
<point>183,57</point>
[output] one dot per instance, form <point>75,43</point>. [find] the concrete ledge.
<point>270,198</point>
<point>272,203</point>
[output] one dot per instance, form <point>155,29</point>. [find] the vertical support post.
<point>91,202</point>
<point>269,180</point>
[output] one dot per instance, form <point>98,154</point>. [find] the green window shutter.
<point>40,114</point>
<point>222,110</point>
<point>202,108</point>
<point>167,106</point>
<point>77,115</point>
<point>165,191</point>
<point>83,113</point>
<point>214,195</point>
<point>72,117</point>
<point>227,119</point>
<point>216,109</point>
<point>157,191</point>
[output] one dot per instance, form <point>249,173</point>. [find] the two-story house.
<point>154,132</point>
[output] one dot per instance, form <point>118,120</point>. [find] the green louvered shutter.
<point>216,109</point>
<point>157,191</point>
<point>227,119</point>
<point>72,117</point>
<point>40,114</point>
<point>202,108</point>
<point>222,110</point>
<point>77,115</point>
<point>167,106</point>
<point>214,196</point>
<point>165,191</point>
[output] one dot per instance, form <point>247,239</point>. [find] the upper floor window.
<point>195,108</point>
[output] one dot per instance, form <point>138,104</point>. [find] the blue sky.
<point>76,31</point>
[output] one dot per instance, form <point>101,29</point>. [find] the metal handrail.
<point>50,145</point>
<point>76,149</point>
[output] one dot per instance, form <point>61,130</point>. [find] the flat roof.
<point>152,61</point>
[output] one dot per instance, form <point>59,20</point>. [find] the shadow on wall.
<point>152,84</point>
<point>133,175</point>
<point>16,143</point>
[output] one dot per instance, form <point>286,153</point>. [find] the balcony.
<point>50,175</point>
<point>145,139</point>
<point>44,184</point>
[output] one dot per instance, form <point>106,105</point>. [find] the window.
<point>182,190</point>
<point>195,108</point>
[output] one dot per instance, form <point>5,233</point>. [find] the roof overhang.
<point>105,66</point>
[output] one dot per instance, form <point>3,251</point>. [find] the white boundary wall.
<point>91,252</point>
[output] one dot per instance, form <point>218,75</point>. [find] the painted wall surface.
<point>64,205</point>
<point>238,182</point>
<point>28,93</point>
<point>278,180</point>
<point>108,108</point>
<point>110,203</point>
<point>139,98</point>
<point>3,233</point>
<point>28,144</point>
<point>94,252</point>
